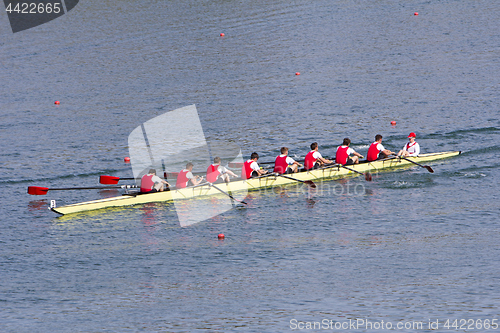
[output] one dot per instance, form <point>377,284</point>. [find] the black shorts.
<point>254,174</point>
<point>349,162</point>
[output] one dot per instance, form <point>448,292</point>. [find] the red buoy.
<point>222,34</point>
<point>415,13</point>
<point>56,103</point>
<point>127,159</point>
<point>393,123</point>
<point>297,73</point>
<point>220,236</point>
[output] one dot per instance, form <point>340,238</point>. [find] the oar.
<point>367,175</point>
<point>38,190</point>
<point>307,182</point>
<point>420,165</point>
<point>111,179</point>
<point>229,195</point>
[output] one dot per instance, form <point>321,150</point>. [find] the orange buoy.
<point>220,236</point>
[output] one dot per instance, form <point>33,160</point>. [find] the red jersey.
<point>246,170</point>
<point>310,160</point>
<point>182,179</point>
<point>373,152</point>
<point>212,173</point>
<point>341,157</point>
<point>280,164</point>
<point>147,183</point>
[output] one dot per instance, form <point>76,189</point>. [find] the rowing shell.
<point>246,185</point>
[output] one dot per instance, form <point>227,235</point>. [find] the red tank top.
<point>182,180</point>
<point>309,160</point>
<point>212,173</point>
<point>280,164</point>
<point>147,183</point>
<point>341,156</point>
<point>246,171</point>
<point>373,152</point>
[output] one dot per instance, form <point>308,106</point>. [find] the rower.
<point>343,154</point>
<point>251,168</point>
<point>377,151</point>
<point>150,182</point>
<point>216,171</point>
<point>314,159</point>
<point>284,164</point>
<point>186,176</point>
<point>411,148</point>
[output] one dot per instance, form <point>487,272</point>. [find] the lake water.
<point>409,248</point>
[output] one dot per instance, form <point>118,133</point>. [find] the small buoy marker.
<point>297,73</point>
<point>416,13</point>
<point>222,34</point>
<point>220,236</point>
<point>57,103</point>
<point>126,159</point>
<point>393,123</point>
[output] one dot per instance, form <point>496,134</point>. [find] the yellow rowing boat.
<point>253,184</point>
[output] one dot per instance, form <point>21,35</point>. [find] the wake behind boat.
<point>253,184</point>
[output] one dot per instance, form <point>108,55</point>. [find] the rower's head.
<point>378,138</point>
<point>189,166</point>
<point>314,146</point>
<point>412,136</point>
<point>217,160</point>
<point>284,151</point>
<point>152,171</point>
<point>254,156</point>
<point>346,142</point>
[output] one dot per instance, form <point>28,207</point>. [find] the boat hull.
<point>248,185</point>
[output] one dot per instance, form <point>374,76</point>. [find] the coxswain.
<point>284,164</point>
<point>150,182</point>
<point>344,152</point>
<point>186,178</point>
<point>314,159</point>
<point>251,168</point>
<point>411,148</point>
<point>216,171</point>
<point>377,151</point>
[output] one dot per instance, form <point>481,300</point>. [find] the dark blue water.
<point>408,247</point>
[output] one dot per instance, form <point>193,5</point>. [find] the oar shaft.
<point>229,195</point>
<point>420,165</point>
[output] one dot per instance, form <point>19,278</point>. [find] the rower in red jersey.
<point>377,151</point>
<point>411,148</point>
<point>343,154</point>
<point>251,168</point>
<point>314,159</point>
<point>284,164</point>
<point>216,171</point>
<point>152,183</point>
<point>186,178</point>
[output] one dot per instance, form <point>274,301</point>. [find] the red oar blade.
<point>368,176</point>
<point>429,168</point>
<point>109,180</point>
<point>310,183</point>
<point>37,190</point>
